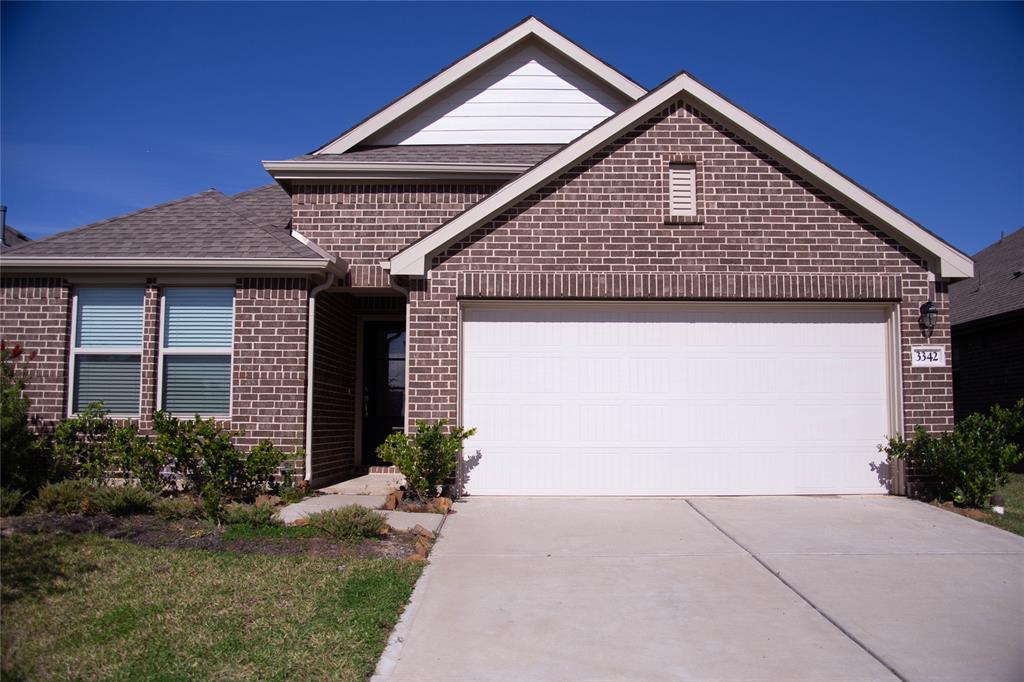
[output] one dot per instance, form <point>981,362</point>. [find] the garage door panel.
<point>674,400</point>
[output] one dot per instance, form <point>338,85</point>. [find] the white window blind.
<point>196,351</point>
<point>683,189</point>
<point>107,354</point>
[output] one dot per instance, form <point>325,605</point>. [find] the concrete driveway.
<point>772,588</point>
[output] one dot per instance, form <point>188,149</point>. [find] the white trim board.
<point>415,259</point>
<point>530,28</point>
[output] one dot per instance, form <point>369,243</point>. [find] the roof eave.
<point>295,266</point>
<point>328,170</point>
<point>947,261</point>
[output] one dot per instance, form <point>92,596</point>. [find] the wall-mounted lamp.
<point>929,315</point>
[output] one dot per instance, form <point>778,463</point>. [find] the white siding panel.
<point>674,400</point>
<point>529,96</point>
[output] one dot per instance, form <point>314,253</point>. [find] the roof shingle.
<point>998,283</point>
<point>205,225</point>
<point>520,154</point>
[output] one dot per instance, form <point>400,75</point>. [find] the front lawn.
<point>1013,495</point>
<point>90,607</point>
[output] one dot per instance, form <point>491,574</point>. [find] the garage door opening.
<point>675,399</point>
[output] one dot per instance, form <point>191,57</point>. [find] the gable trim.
<point>949,262</point>
<point>338,170</point>
<point>529,27</point>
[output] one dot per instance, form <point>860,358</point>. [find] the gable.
<point>528,96</point>
<point>943,259</point>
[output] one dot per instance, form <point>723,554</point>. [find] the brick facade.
<point>35,312</point>
<point>603,230</point>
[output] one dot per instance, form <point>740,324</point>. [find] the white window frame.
<point>102,350</point>
<point>162,351</point>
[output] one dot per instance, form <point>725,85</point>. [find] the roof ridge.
<point>106,221</point>
<point>253,189</point>
<point>286,239</point>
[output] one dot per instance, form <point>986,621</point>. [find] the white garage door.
<point>641,399</point>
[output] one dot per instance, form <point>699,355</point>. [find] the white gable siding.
<point>529,96</point>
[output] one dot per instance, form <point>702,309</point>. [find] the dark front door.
<point>383,384</point>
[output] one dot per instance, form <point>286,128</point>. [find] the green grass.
<point>88,607</point>
<point>1013,494</point>
<point>243,532</point>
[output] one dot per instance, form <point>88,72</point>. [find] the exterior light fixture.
<point>929,314</point>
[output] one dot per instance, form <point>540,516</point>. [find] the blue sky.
<point>107,108</point>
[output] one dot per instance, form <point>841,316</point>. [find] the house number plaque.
<point>927,356</point>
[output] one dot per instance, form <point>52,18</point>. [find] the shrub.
<point>24,459</point>
<point>967,464</point>
<point>11,500</point>
<point>350,524</point>
<point>82,444</point>
<point>139,458</point>
<point>203,453</point>
<point>66,497</point>
<point>178,507</point>
<point>426,459</point>
<point>123,500</point>
<point>261,515</point>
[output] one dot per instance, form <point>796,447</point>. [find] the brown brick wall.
<point>35,312</point>
<point>763,234</point>
<point>364,224</point>
<point>270,360</point>
<point>334,379</point>
<point>987,363</point>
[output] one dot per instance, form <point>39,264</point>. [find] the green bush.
<point>138,458</point>
<point>82,445</point>
<point>261,515</point>
<point>203,453</point>
<point>66,497</point>
<point>426,459</point>
<point>967,464</point>
<point>178,507</point>
<point>11,500</point>
<point>24,458</point>
<point>123,500</point>
<point>350,524</point>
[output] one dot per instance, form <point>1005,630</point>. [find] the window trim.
<point>195,351</point>
<point>75,351</point>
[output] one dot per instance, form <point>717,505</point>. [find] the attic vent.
<point>683,189</point>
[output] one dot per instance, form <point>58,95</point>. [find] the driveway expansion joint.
<point>778,576</point>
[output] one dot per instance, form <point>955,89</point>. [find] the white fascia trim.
<point>415,259</point>
<point>327,170</point>
<point>259,265</point>
<point>532,27</point>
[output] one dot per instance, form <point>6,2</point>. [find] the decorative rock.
<point>417,557</point>
<point>301,522</point>
<point>394,499</point>
<point>423,532</point>
<point>442,504</point>
<point>422,546</point>
<point>273,500</point>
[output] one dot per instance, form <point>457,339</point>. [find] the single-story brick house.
<point>625,291</point>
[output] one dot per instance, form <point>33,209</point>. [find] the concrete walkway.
<point>712,589</point>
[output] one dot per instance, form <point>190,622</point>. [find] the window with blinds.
<point>682,189</point>
<point>106,356</point>
<point>195,352</point>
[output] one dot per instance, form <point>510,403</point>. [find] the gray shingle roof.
<point>12,238</point>
<point>998,283</point>
<point>204,225</point>
<point>524,154</point>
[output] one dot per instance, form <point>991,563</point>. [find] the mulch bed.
<point>976,514</point>
<point>160,533</point>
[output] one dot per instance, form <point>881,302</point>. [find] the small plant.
<point>11,500</point>
<point>350,524</point>
<point>66,497</point>
<point>964,465</point>
<point>261,515</point>
<point>426,459</point>
<point>123,500</point>
<point>178,507</point>
<point>259,466</point>
<point>286,489</point>
<point>139,458</point>
<point>82,445</point>
<point>24,459</point>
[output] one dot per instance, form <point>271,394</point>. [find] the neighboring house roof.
<point>13,238</point>
<point>244,231</point>
<point>998,283</point>
<point>415,259</point>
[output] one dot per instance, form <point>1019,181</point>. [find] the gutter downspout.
<point>310,347</point>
